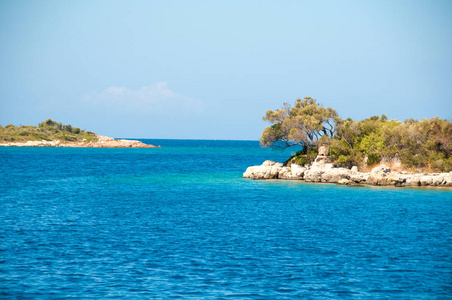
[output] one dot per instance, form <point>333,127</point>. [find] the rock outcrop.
<point>294,172</point>
<point>323,170</point>
<point>380,175</point>
<point>268,170</point>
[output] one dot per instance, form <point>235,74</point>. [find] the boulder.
<point>396,179</point>
<point>330,175</point>
<point>344,181</point>
<point>294,172</point>
<point>268,170</point>
<point>275,170</point>
<point>359,177</point>
<point>298,171</point>
<point>321,165</point>
<point>378,175</point>
<point>313,175</point>
<point>285,173</point>
<point>413,180</point>
<point>270,163</point>
<point>333,175</point>
<point>323,170</point>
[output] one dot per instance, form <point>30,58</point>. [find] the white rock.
<point>378,175</point>
<point>322,170</point>
<point>270,163</point>
<point>343,181</point>
<point>359,177</point>
<point>294,172</point>
<point>268,170</point>
<point>298,170</point>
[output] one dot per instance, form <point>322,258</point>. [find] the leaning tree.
<point>302,124</point>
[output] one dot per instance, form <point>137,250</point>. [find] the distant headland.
<point>53,134</point>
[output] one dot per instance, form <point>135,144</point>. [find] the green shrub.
<point>447,165</point>
<point>68,138</point>
<point>298,158</point>
<point>40,136</point>
<point>67,128</point>
<point>373,159</point>
<point>345,161</point>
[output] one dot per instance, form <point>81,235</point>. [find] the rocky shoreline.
<point>103,142</point>
<point>324,170</point>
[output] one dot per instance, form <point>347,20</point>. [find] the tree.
<point>303,124</point>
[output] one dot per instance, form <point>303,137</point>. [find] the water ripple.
<point>152,223</point>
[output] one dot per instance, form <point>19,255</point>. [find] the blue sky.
<point>210,69</point>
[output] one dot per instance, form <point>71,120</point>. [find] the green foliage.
<point>303,124</point>
<point>425,144</point>
<point>372,146</point>
<point>373,159</point>
<point>345,161</point>
<point>67,128</point>
<point>346,156</point>
<point>302,157</point>
<point>299,158</point>
<point>50,123</point>
<point>47,130</point>
<point>447,165</point>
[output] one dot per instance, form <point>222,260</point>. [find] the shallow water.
<point>181,222</point>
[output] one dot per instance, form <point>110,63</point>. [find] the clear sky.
<point>211,69</point>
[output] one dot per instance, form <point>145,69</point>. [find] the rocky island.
<point>374,151</point>
<point>53,134</point>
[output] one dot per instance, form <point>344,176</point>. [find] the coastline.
<point>323,170</point>
<point>102,142</point>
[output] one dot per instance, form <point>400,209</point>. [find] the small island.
<point>53,134</point>
<point>375,151</point>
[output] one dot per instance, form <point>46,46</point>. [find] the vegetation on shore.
<point>421,145</point>
<point>48,130</point>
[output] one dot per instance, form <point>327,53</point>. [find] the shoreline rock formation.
<point>323,170</point>
<point>103,142</point>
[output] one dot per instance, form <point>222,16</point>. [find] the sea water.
<point>181,222</point>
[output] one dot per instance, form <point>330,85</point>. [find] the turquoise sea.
<point>180,222</point>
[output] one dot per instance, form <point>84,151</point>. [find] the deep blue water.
<point>180,222</point>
